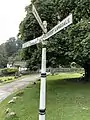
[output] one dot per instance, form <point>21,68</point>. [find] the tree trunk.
<point>87,73</point>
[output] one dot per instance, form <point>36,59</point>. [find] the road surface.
<point>8,89</point>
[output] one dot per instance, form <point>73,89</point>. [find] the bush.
<point>1,81</point>
<point>10,78</point>
<point>9,71</point>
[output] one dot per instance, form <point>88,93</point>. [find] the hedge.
<point>9,71</point>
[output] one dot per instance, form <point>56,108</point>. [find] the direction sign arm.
<point>32,42</point>
<point>64,23</point>
<point>34,11</point>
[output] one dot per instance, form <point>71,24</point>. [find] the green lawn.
<point>65,100</point>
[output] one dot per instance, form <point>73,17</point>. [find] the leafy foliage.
<point>10,51</point>
<point>70,44</point>
<point>3,56</point>
<point>12,46</point>
<point>9,71</point>
<point>79,42</point>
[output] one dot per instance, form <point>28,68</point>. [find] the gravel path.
<point>8,89</point>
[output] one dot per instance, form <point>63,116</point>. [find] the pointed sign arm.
<point>32,42</point>
<point>63,24</point>
<point>34,11</point>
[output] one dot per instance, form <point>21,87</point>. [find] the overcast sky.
<point>11,14</point>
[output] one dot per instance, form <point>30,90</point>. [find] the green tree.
<point>3,56</point>
<point>10,51</point>
<point>70,44</point>
<point>79,45</point>
<point>10,46</point>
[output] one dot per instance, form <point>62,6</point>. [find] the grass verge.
<point>8,79</point>
<point>65,100</point>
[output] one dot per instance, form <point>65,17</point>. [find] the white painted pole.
<point>42,107</point>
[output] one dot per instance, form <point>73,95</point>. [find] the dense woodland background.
<point>10,52</point>
<point>69,45</point>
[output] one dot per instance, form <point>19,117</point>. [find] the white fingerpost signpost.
<point>67,21</point>
<point>42,108</point>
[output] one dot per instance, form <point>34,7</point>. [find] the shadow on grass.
<point>66,81</point>
<point>66,87</point>
<point>69,83</point>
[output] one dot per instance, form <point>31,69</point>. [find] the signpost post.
<point>67,21</point>
<point>42,107</point>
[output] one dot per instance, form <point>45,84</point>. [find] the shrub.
<point>1,81</point>
<point>10,78</point>
<point>9,71</point>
